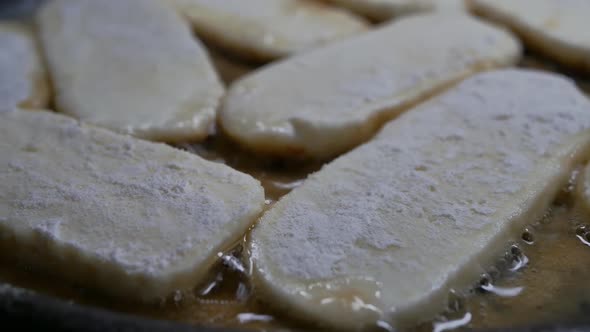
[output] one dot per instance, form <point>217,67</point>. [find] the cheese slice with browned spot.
<point>381,234</point>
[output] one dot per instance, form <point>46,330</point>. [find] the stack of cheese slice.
<point>385,231</point>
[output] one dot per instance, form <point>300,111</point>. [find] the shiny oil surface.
<point>545,280</point>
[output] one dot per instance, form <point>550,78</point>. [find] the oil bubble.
<point>583,234</point>
<point>518,259</point>
<point>456,302</point>
<point>452,324</point>
<point>527,237</point>
<point>484,280</point>
<point>581,230</point>
<point>515,250</point>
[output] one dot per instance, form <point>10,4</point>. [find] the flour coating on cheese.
<point>385,9</point>
<point>126,216</point>
<point>450,5</point>
<point>269,29</point>
<point>323,102</point>
<point>556,28</point>
<point>132,66</point>
<point>383,232</point>
<point>23,80</point>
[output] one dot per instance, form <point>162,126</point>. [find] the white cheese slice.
<point>323,102</point>
<point>128,217</point>
<point>268,29</point>
<point>450,5</point>
<point>385,231</point>
<point>132,66</point>
<point>385,9</point>
<point>556,28</point>
<point>23,80</point>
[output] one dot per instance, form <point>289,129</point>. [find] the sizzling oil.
<point>551,287</point>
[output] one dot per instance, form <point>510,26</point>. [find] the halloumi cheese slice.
<point>132,66</point>
<point>326,101</point>
<point>129,217</point>
<point>23,80</point>
<point>385,9</point>
<point>450,5</point>
<point>583,188</point>
<point>557,28</point>
<point>383,232</point>
<point>269,29</point>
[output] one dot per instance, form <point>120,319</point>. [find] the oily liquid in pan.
<point>554,280</point>
<point>541,279</point>
<point>550,288</point>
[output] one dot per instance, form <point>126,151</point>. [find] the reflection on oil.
<point>583,234</point>
<point>247,317</point>
<point>502,291</point>
<point>584,240</point>
<point>527,236</point>
<point>452,324</point>
<point>519,262</point>
<point>538,280</point>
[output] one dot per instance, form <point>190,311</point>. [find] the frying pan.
<point>25,310</point>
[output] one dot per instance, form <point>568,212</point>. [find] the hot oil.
<point>225,298</point>
<point>542,279</point>
<point>554,282</point>
<point>550,289</point>
<point>277,176</point>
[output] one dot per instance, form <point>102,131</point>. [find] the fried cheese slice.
<point>132,66</point>
<point>128,217</point>
<point>265,30</point>
<point>324,102</point>
<point>381,234</point>
<point>555,28</point>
